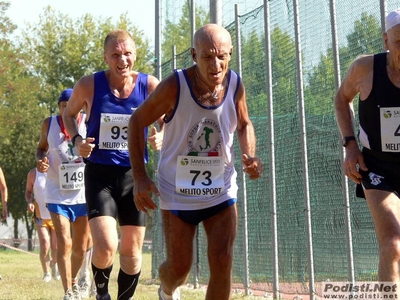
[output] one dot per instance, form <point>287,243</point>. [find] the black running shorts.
<point>109,192</point>
<point>383,173</point>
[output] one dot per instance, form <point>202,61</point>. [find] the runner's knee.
<point>130,264</point>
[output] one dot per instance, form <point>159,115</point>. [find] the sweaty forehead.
<point>206,37</point>
<point>119,42</point>
<point>214,51</point>
<point>120,45</point>
<point>213,45</point>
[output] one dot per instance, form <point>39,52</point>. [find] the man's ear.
<point>193,52</point>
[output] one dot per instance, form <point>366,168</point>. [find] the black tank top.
<point>386,95</point>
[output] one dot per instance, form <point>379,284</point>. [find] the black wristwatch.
<point>347,139</point>
<point>74,138</point>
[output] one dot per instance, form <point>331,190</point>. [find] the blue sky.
<point>28,11</point>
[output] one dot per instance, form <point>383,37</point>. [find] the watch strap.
<point>74,138</point>
<point>347,139</point>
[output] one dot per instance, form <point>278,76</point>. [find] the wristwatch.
<point>347,139</point>
<point>74,138</point>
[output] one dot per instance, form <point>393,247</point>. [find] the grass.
<point>22,279</point>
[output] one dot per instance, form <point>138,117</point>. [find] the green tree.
<point>62,50</point>
<point>283,53</point>
<point>19,115</point>
<point>253,72</point>
<point>366,38</point>
<point>178,34</point>
<point>321,88</point>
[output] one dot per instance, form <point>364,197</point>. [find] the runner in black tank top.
<point>376,166</point>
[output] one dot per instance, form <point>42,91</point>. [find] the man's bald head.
<point>211,33</point>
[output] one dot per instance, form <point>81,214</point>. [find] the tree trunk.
<point>30,227</point>
<point>17,241</point>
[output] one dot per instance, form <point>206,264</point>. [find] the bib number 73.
<point>207,177</point>
<point>197,176</point>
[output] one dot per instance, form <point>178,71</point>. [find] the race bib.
<point>71,176</point>
<point>113,133</point>
<point>390,129</point>
<point>200,176</point>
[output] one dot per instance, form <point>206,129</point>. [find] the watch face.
<point>347,139</point>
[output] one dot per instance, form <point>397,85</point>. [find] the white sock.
<point>165,296</point>
<point>85,271</point>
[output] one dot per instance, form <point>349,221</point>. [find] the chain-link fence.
<point>322,232</point>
